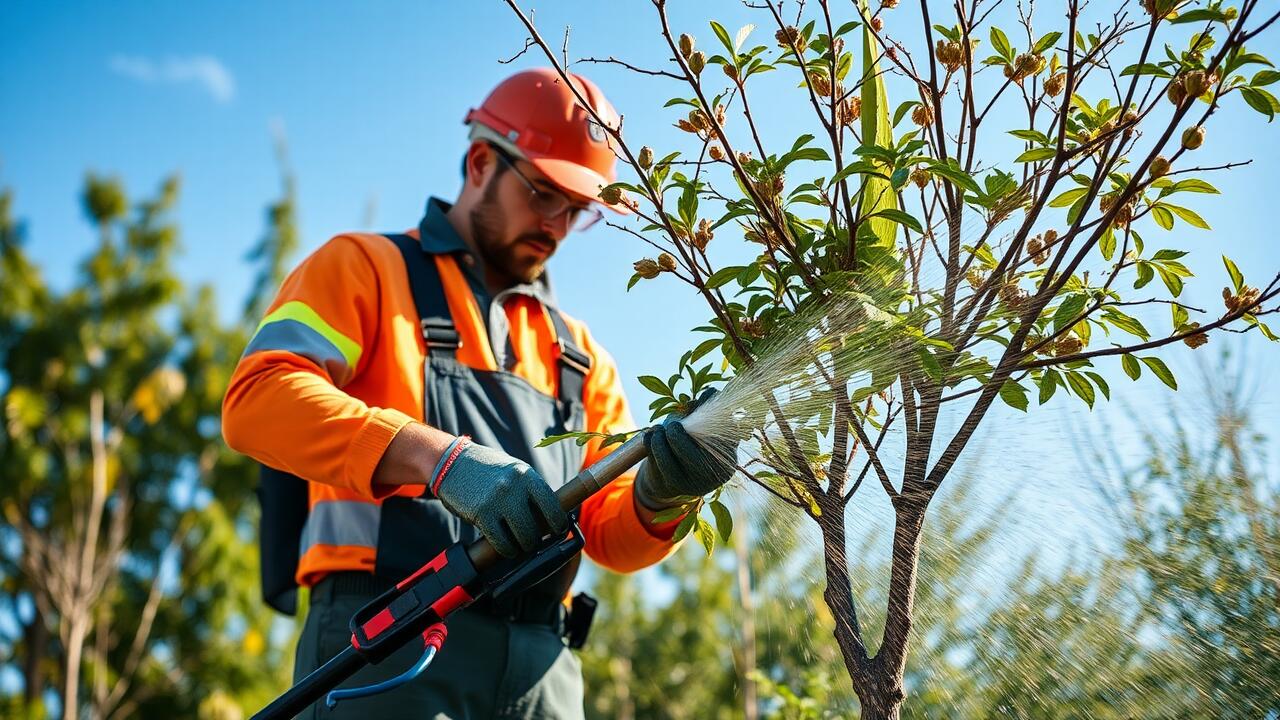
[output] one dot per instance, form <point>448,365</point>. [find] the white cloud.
<point>203,70</point>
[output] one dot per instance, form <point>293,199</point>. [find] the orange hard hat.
<point>534,115</point>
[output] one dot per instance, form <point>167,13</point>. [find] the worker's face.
<point>515,241</point>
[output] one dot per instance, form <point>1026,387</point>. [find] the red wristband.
<point>462,442</point>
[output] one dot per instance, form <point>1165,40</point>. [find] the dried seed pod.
<point>730,71</point>
<point>820,83</point>
<point>686,45</point>
<point>950,54</point>
<point>1013,296</point>
<point>686,126</point>
<point>752,328</point>
<point>647,268</point>
<point>1067,345</point>
<point>1177,92</point>
<point>698,119</point>
<point>1195,83</point>
<point>715,152</point>
<point>1159,166</point>
<point>975,278</point>
<point>1193,137</point>
<point>849,111</point>
<point>877,23</point>
<point>666,262</point>
<point>1055,83</point>
<point>1036,249</point>
<point>922,115</point>
<point>720,114</point>
<point>920,177</point>
<point>697,61</point>
<point>888,4</point>
<point>788,36</point>
<point>703,235</point>
<point>645,159</point>
<point>611,194</point>
<point>744,158</point>
<point>1195,341</point>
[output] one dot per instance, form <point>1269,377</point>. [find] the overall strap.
<point>441,335</point>
<point>438,331</point>
<point>574,364</point>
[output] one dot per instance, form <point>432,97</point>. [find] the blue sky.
<point>371,97</point>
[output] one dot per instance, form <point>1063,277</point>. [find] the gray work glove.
<point>678,466</point>
<point>508,501</point>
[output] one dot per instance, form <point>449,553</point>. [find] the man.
<point>409,378</point>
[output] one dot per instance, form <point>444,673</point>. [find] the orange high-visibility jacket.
<point>323,399</point>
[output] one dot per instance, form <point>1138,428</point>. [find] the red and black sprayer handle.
<point>418,605</point>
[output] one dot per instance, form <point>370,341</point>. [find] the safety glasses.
<point>549,204</point>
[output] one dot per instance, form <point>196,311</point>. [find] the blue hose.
<point>428,655</point>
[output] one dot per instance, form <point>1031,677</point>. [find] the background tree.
<point>932,270</point>
<point>129,526</point>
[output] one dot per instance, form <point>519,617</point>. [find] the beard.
<point>501,258</point>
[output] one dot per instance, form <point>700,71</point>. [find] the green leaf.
<point>1191,185</point>
<point>930,364</point>
<point>1145,69</point>
<point>1145,274</point>
<point>1180,316</point>
<point>688,523</point>
<point>1265,77</point>
<point>1068,197</point>
<point>723,276</point>
<point>724,519</point>
<point>1199,15</point>
<point>1171,280</point>
<point>1187,216</point>
<point>1014,395</point>
<point>1001,43</point>
<point>900,217</point>
<point>706,535</point>
<point>955,175</point>
<point>1161,370</point>
<point>1034,154</point>
<point>1049,384</point>
<point>1237,280</point>
<point>1162,216</point>
<point>1129,324</point>
<point>670,514</point>
<point>1081,387</point>
<point>654,385</point>
<point>723,34</point>
<point>1046,42</point>
<point>741,37</point>
<point>1034,136</point>
<point>1262,101</point>
<point>1107,243</point>
<point>1101,383</point>
<point>1131,366</point>
<point>1068,312</point>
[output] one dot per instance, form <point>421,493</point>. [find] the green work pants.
<point>488,667</point>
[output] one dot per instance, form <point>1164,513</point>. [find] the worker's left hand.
<point>679,466</point>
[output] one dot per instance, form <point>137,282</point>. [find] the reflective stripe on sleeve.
<point>341,522</point>
<point>294,327</point>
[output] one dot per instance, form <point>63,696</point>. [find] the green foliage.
<point>129,356</point>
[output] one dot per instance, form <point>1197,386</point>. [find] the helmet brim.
<point>577,180</point>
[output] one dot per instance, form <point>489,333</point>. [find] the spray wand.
<point>418,605</point>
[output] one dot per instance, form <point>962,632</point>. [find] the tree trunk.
<point>750,710</point>
<point>36,639</point>
<point>76,632</point>
<point>876,681</point>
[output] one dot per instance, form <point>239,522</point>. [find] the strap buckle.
<point>440,334</point>
<point>573,357</point>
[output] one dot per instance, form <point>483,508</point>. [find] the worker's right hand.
<point>505,498</point>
